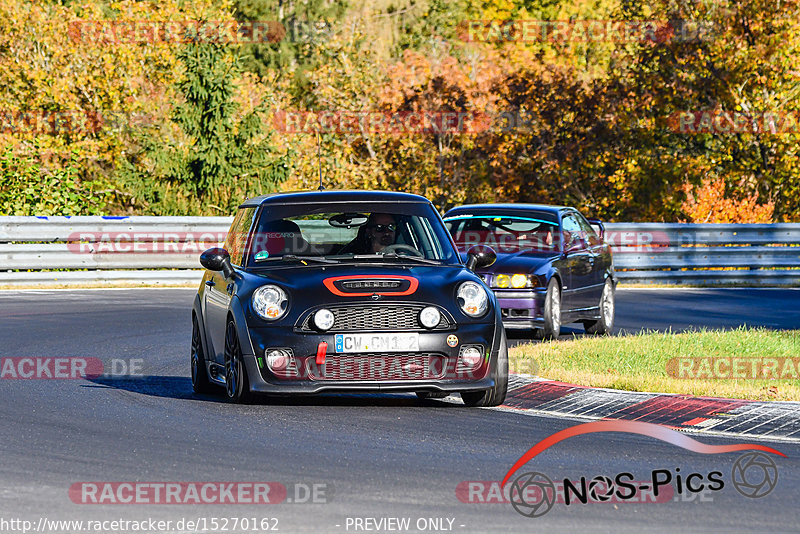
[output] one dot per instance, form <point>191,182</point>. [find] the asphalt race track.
<point>377,456</point>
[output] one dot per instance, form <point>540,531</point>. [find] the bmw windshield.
<point>534,232</point>
<point>338,232</point>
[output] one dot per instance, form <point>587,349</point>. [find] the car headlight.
<point>430,317</point>
<point>323,319</point>
<point>471,356</point>
<point>472,299</point>
<point>519,280</point>
<point>270,302</point>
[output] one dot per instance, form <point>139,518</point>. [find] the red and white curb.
<point>779,421</point>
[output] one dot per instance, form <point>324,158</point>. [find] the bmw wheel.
<point>552,311</point>
<point>603,325</point>
<point>237,385</point>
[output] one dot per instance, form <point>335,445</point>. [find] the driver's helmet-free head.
<point>380,230</point>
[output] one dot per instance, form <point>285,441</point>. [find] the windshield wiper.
<point>316,259</point>
<point>395,256</point>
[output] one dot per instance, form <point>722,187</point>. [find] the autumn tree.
<point>217,160</point>
<point>743,60</point>
<point>709,203</point>
<point>73,91</point>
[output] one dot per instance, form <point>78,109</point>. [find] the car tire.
<point>552,311</point>
<point>603,325</point>
<point>237,384</point>
<point>495,395</point>
<point>200,380</point>
<point>424,395</point>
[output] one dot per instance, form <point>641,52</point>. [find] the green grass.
<point>639,362</point>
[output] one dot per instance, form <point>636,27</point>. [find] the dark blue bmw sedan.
<point>553,266</point>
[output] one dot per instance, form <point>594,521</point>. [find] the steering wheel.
<point>399,246</point>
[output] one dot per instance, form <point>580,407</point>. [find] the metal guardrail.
<point>706,254</point>
<point>106,250</point>
<point>117,250</point>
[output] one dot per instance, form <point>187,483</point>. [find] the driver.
<point>380,231</point>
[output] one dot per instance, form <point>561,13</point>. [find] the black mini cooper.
<point>334,291</point>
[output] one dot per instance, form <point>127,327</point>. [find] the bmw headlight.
<point>519,280</point>
<point>472,299</point>
<point>270,302</point>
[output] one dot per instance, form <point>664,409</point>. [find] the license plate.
<point>377,342</point>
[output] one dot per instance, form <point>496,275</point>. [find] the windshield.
<point>505,234</point>
<point>346,233</point>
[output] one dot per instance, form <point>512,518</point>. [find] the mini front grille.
<point>376,317</point>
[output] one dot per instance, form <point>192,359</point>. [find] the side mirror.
<point>480,257</point>
<point>597,224</point>
<point>217,259</point>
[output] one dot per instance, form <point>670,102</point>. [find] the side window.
<point>237,235</point>
<point>591,236</point>
<point>572,230</point>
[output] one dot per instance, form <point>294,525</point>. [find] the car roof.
<point>332,196</point>
<point>507,208</point>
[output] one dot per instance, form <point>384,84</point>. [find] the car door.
<point>218,289</point>
<point>594,247</point>
<point>579,264</point>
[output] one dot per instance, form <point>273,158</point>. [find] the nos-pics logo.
<point>533,494</point>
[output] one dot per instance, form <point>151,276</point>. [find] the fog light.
<point>502,281</point>
<point>277,360</point>
<point>323,319</point>
<point>519,280</point>
<point>471,356</point>
<point>430,317</point>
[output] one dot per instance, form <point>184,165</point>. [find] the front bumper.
<point>521,309</point>
<point>308,379</point>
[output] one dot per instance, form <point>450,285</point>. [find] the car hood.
<point>520,262</point>
<point>307,286</point>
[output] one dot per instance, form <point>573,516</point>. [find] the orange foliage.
<point>708,204</point>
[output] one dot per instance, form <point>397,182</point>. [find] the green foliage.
<point>218,158</point>
<point>643,361</point>
<point>747,63</point>
<point>307,23</point>
<point>26,188</point>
